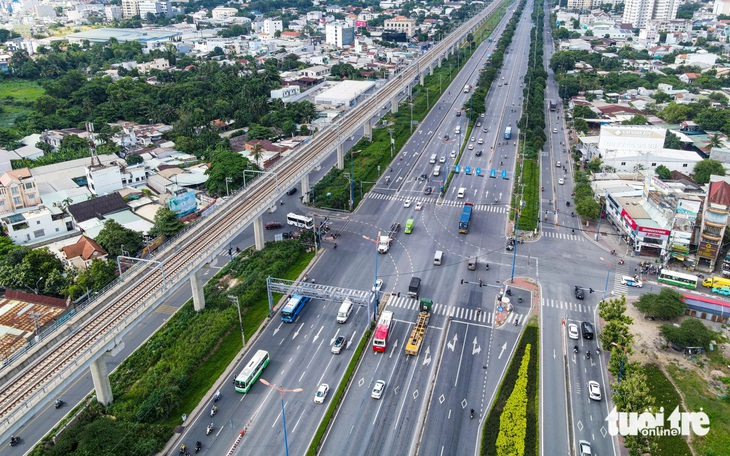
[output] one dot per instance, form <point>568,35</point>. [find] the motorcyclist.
<point>198,446</point>
<point>575,349</point>
<point>214,410</point>
<point>471,413</point>
<point>588,354</point>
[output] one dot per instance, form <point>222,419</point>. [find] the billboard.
<point>631,137</point>
<point>183,203</point>
<point>361,23</point>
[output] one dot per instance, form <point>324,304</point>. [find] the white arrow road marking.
<point>452,344</point>
<point>476,348</point>
<point>504,347</point>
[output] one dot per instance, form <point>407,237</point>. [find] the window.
<point>39,233</point>
<point>14,190</point>
<point>684,166</point>
<point>29,186</point>
<point>16,200</point>
<point>653,164</point>
<point>623,163</point>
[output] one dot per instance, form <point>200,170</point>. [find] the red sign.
<point>654,232</point>
<point>361,23</point>
<point>628,219</point>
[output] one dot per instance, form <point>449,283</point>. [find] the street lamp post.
<point>374,300</point>
<point>392,144</point>
<point>36,284</point>
<point>608,273</point>
<point>281,391</point>
<point>600,213</point>
<point>234,300</point>
<point>428,103</point>
<point>228,179</point>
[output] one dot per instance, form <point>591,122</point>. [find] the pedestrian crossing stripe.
<point>457,313</point>
<point>566,236</point>
<point>477,207</point>
<point>557,304</point>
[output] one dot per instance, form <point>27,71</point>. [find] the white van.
<point>462,192</point>
<point>437,257</point>
<point>344,313</point>
<point>433,159</point>
<point>437,170</point>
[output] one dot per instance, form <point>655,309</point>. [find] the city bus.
<point>293,307</point>
<point>678,279</point>
<point>300,221</point>
<point>508,133</point>
<point>409,226</point>
<point>465,218</point>
<point>382,331</point>
<point>252,371</point>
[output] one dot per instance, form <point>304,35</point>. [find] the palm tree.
<point>257,152</point>
<point>715,140</point>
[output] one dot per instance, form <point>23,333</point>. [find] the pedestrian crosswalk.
<point>456,313</point>
<point>575,306</point>
<point>477,207</point>
<point>559,235</point>
<point>618,287</point>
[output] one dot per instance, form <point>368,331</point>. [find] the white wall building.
<point>37,225</point>
<point>721,7</point>
<point>104,179</point>
<point>639,12</point>
<point>339,35</point>
<point>271,26</point>
<point>223,12</point>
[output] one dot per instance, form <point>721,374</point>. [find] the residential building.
<point>401,24</point>
<point>37,226</point>
<point>714,221</point>
<point>271,26</point>
<point>103,179</point>
<point>640,12</point>
<point>339,35</point>
<point>18,190</point>
<point>130,8</point>
<point>113,12</point>
<point>83,253</point>
<point>223,12</point>
<point>721,7</point>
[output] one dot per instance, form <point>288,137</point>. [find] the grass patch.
<point>490,431</point>
<point>697,396</point>
<point>16,99</point>
<point>665,396</point>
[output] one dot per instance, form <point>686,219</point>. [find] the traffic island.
<point>521,290</point>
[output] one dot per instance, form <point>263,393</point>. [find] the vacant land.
<point>16,99</point>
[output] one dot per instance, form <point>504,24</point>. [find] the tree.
<point>675,113</point>
<point>256,131</point>
<point>633,395</point>
<point>715,140</point>
<point>581,125</point>
<point>705,168</point>
<point>113,237</point>
<point>663,172</point>
<point>225,165</point>
<point>166,223</point>
<point>614,309</point>
<point>638,119</point>
<point>6,245</point>
<point>587,208</point>
<point>666,304</point>
<point>133,159</point>
<point>690,333</point>
<point>594,165</point>
<point>711,119</point>
<point>672,141</point>
<point>584,112</point>
<point>662,97</point>
<point>98,275</point>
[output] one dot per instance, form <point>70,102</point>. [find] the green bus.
<point>678,279</point>
<point>409,226</point>
<point>252,371</point>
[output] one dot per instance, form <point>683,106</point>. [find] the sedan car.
<point>573,331</point>
<point>555,130</point>
<point>584,448</point>
<point>419,206</point>
<point>471,146</point>
<point>594,390</point>
<point>479,124</point>
<point>632,281</point>
<point>407,204</point>
<point>481,115</point>
<point>378,285</point>
<point>472,139</point>
<point>321,393</point>
<point>442,159</point>
<point>579,293</point>
<point>428,190</point>
<point>423,177</point>
<point>339,345</point>
<point>480,141</point>
<point>453,154</point>
<point>378,389</point>
<point>561,181</point>
<point>478,153</point>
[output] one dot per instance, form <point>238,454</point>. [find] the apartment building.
<point>401,24</point>
<point>640,12</point>
<point>18,190</point>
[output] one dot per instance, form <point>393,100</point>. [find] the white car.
<point>321,393</point>
<point>378,285</point>
<point>472,139</point>
<point>561,181</point>
<point>573,331</point>
<point>631,281</point>
<point>378,389</point>
<point>442,159</point>
<point>555,130</point>
<point>584,448</point>
<point>452,154</point>
<point>480,141</point>
<point>419,206</point>
<point>407,203</point>
<point>481,115</point>
<point>471,146</point>
<point>594,390</point>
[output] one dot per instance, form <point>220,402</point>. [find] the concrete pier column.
<point>430,70</point>
<point>100,377</point>
<point>394,104</point>
<point>422,78</point>
<point>305,188</point>
<point>340,157</point>
<point>196,285</point>
<point>440,60</point>
<point>258,233</point>
<point>369,129</point>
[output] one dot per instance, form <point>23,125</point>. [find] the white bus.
<point>252,371</point>
<point>300,221</point>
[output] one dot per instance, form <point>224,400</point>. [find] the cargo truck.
<point>419,329</point>
<point>414,287</point>
<point>387,239</point>
<point>716,282</point>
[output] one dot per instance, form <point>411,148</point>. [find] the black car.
<point>423,177</point>
<point>479,153</point>
<point>428,190</point>
<point>579,293</point>
<point>587,330</point>
<point>291,191</point>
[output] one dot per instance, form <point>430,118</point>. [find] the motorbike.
<point>58,404</point>
<point>198,446</point>
<point>519,298</point>
<point>487,266</point>
<point>209,429</point>
<point>217,396</point>
<point>621,261</point>
<point>214,410</point>
<point>471,414</point>
<point>575,349</point>
<point>588,354</point>
<point>509,292</point>
<point>572,214</point>
<point>517,321</point>
<point>14,440</point>
<point>567,204</point>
